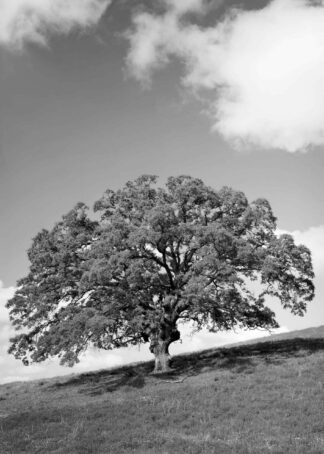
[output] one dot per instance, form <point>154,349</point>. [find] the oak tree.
<point>154,258</point>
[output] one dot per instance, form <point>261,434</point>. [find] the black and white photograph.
<point>162,226</point>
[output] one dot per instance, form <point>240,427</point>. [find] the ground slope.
<point>265,397</point>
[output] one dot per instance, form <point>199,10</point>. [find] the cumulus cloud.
<point>155,38</point>
<point>263,69</point>
<point>24,21</point>
<point>313,238</point>
<point>180,7</point>
<point>5,294</point>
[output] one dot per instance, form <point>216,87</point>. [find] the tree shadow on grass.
<point>103,381</point>
<point>238,359</point>
<point>241,357</point>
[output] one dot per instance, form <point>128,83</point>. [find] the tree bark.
<point>160,349</point>
<point>159,346</point>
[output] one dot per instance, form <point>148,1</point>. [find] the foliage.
<point>156,257</point>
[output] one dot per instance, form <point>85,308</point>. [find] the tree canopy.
<point>157,256</point>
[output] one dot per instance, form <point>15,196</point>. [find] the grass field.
<point>266,397</point>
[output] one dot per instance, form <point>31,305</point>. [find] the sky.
<point>96,92</point>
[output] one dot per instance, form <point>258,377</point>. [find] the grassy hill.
<point>260,397</point>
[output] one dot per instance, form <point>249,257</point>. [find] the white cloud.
<point>313,238</point>
<point>24,21</point>
<point>205,339</point>
<point>181,7</point>
<point>5,294</point>
<point>155,38</point>
<point>263,69</point>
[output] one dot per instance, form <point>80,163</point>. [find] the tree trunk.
<point>160,348</point>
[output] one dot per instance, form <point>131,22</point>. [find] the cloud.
<point>155,38</point>
<point>263,70</point>
<point>313,238</point>
<point>205,339</point>
<point>180,7</point>
<point>5,294</point>
<point>33,21</point>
